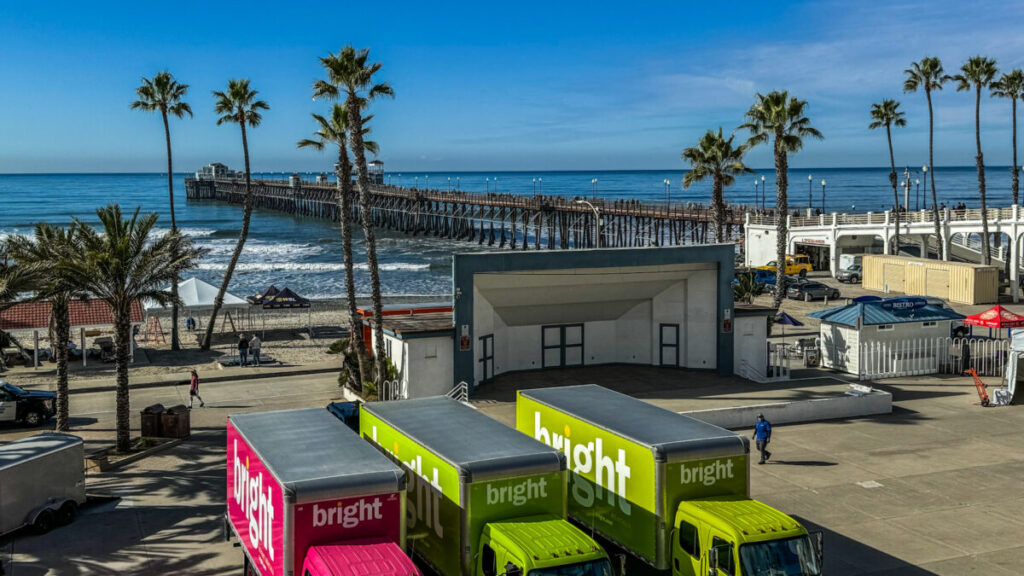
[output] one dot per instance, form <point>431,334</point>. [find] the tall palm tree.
<point>350,75</point>
<point>929,76</point>
<point>778,118</point>
<point>335,132</point>
<point>1011,85</point>
<point>120,264</point>
<point>47,250</point>
<point>163,94</point>
<point>238,105</point>
<point>888,114</point>
<point>977,74</point>
<point>714,156</point>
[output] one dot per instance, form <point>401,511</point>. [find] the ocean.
<point>305,254</point>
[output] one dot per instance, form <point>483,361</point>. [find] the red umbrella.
<point>996,317</point>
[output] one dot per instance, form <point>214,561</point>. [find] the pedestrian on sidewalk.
<point>254,350</point>
<point>243,349</point>
<point>193,390</point>
<point>763,435</point>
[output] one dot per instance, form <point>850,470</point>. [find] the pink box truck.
<point>306,496</point>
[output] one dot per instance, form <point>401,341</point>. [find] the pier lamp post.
<point>449,183</point>
<point>534,186</point>
<point>756,192</point>
<point>668,192</point>
<point>495,184</point>
<point>593,186</point>
<point>762,193</point>
<point>924,172</point>
<point>540,185</point>
<point>426,183</point>
<point>488,182</point>
<point>823,196</point>
<point>458,182</point>
<point>917,193</point>
<point>810,192</point>
<point>597,222</point>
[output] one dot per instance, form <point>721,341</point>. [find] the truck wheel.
<point>803,273</point>
<point>44,522</point>
<point>34,418</point>
<point>67,513</point>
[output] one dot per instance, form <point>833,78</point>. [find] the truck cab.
<point>740,537</point>
<point>798,264</point>
<point>539,546</point>
<point>371,558</point>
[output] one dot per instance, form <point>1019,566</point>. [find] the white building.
<point>420,346</point>
<point>215,171</point>
<point>904,329</point>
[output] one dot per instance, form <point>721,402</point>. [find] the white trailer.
<point>42,481</point>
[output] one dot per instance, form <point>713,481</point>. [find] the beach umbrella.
<point>783,319</point>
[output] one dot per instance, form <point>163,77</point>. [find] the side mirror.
<point>712,562</point>
<point>819,545</point>
<point>513,570</point>
<point>620,562</point>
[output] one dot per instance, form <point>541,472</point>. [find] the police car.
<point>30,407</point>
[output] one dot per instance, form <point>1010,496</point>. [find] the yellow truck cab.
<point>539,546</point>
<point>798,264</point>
<point>740,537</point>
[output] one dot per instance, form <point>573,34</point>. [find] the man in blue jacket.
<point>763,435</point>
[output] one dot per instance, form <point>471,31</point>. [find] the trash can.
<point>175,423</point>
<point>150,420</point>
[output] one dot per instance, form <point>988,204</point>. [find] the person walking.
<point>243,350</point>
<point>763,435</point>
<point>193,390</point>
<point>254,350</point>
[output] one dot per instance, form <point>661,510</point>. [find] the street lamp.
<point>762,193</point>
<point>756,192</point>
<point>540,185</point>
<point>593,186</point>
<point>416,182</point>
<point>495,184</point>
<point>534,186</point>
<point>488,181</point>
<point>458,182</point>
<point>924,170</point>
<point>449,183</point>
<point>668,192</point>
<point>810,192</point>
<point>917,193</point>
<point>823,196</point>
<point>597,222</point>
<point>427,182</point>
<point>399,179</point>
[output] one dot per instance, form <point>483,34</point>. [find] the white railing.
<point>778,363</point>
<point>390,390</point>
<point>459,392</point>
<point>918,356</point>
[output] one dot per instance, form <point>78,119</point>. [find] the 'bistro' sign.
<point>898,304</point>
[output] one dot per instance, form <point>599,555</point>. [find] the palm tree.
<point>48,249</point>
<point>888,114</point>
<point>163,94</point>
<point>335,132</point>
<point>120,264</point>
<point>349,75</point>
<point>978,73</point>
<point>714,156</point>
<point>1011,85</point>
<point>929,76</point>
<point>239,106</point>
<point>779,118</point>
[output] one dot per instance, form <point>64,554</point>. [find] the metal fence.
<point>918,356</point>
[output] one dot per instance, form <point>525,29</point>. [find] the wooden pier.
<point>506,220</point>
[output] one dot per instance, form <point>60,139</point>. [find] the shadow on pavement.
<point>847,557</point>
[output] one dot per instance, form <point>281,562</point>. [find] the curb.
<point>102,465</point>
<point>205,380</point>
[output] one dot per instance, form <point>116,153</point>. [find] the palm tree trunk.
<point>356,134</point>
<point>1016,170</point>
<point>246,217</point>
<point>943,254</point>
<point>356,343</point>
<point>175,342</point>
<point>986,250</point>
<point>782,204</point>
<point>718,205</point>
<point>892,182</point>
<point>122,344</point>
<point>61,336</point>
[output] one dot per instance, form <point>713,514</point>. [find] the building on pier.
<point>375,170</point>
<point>215,171</point>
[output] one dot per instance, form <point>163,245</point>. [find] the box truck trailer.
<point>42,481</point>
<point>306,495</point>
<point>483,499</point>
<point>669,490</point>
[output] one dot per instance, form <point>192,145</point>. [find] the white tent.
<point>195,293</point>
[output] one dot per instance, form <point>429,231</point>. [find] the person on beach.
<point>254,350</point>
<point>763,435</point>
<point>243,349</point>
<point>193,390</point>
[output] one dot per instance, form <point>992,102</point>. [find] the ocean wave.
<point>308,266</point>
<point>261,249</point>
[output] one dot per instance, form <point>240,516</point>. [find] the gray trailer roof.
<point>670,436</point>
<point>479,447</point>
<point>34,447</point>
<point>315,456</point>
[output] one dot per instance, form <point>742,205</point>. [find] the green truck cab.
<point>482,499</point>
<point>670,491</point>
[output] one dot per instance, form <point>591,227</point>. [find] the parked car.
<point>761,276</point>
<point>811,291</point>
<point>29,407</point>
<point>790,281</point>
<point>853,274</point>
<point>795,264</point>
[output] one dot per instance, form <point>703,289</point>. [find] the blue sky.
<point>481,86</point>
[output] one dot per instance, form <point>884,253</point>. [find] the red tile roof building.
<point>36,315</point>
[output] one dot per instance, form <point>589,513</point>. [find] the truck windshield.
<point>789,557</point>
<point>592,568</point>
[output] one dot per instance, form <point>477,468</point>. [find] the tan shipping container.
<point>958,282</point>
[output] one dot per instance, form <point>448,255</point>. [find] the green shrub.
<point>338,346</point>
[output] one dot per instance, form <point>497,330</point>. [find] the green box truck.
<point>670,490</point>
<point>483,500</point>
